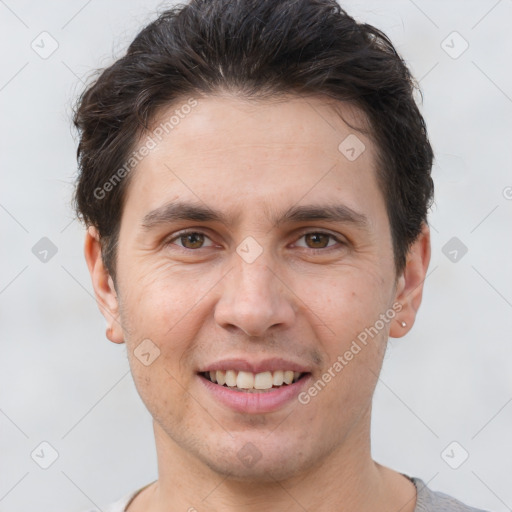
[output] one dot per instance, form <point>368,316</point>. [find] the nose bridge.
<point>253,298</point>
<point>255,282</point>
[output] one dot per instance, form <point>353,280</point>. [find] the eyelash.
<point>303,234</point>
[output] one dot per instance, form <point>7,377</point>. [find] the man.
<point>255,178</point>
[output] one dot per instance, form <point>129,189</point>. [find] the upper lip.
<point>265,365</point>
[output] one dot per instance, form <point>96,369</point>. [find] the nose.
<point>254,299</point>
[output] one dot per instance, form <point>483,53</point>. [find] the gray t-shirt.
<point>430,501</point>
<point>426,501</point>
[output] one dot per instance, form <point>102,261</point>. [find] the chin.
<point>263,472</point>
<point>274,461</point>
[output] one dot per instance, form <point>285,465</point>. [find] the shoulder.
<point>431,501</point>
<point>119,505</point>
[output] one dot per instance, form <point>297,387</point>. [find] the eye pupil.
<point>319,240</point>
<point>192,240</point>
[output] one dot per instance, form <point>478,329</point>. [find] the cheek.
<point>160,388</point>
<point>160,319</point>
<point>346,302</point>
<point>348,308</point>
<point>160,297</point>
<point>169,308</point>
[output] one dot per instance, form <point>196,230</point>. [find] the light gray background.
<point>62,382</point>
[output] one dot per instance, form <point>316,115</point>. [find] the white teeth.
<point>251,381</point>
<point>278,378</point>
<point>263,380</point>
<point>288,377</point>
<point>221,377</point>
<point>245,380</point>
<point>231,378</point>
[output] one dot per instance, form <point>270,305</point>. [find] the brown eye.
<point>192,240</point>
<point>317,240</point>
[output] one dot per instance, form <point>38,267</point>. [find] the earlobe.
<point>409,290</point>
<point>103,284</point>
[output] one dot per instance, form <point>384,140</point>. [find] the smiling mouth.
<point>248,382</point>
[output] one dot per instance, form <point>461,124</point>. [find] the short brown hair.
<point>259,48</point>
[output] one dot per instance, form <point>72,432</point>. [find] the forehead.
<point>237,154</point>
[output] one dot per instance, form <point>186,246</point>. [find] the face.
<point>251,243</point>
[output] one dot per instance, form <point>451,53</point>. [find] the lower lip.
<point>255,403</point>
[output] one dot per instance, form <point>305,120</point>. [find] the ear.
<point>409,289</point>
<point>104,290</point>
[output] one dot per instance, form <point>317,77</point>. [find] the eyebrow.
<point>176,211</point>
<point>186,211</point>
<point>330,213</point>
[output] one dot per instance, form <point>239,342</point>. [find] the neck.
<point>347,479</point>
